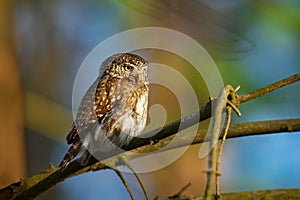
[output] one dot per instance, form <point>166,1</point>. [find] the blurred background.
<point>42,44</point>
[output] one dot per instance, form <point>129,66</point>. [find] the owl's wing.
<point>92,109</point>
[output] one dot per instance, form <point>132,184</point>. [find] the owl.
<point>113,110</point>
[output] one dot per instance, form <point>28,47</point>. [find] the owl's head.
<point>125,65</point>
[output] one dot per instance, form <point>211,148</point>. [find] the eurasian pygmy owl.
<point>113,110</point>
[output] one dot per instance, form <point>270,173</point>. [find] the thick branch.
<point>52,177</point>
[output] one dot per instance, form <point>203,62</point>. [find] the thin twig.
<point>218,173</point>
<point>125,183</point>
<point>137,176</point>
<point>269,88</point>
<point>180,193</point>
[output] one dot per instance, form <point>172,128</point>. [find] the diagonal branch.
<point>269,88</point>
<point>40,183</point>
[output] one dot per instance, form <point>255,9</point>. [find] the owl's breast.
<point>140,110</point>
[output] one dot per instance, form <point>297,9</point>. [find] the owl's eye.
<point>127,67</point>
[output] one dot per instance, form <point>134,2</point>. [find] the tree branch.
<point>34,186</point>
<point>227,94</point>
<point>252,195</point>
<point>47,179</point>
<point>269,88</point>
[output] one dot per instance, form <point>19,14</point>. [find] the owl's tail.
<point>72,152</point>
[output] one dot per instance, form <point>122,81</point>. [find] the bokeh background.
<point>42,44</point>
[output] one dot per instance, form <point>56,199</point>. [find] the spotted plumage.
<point>113,110</point>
